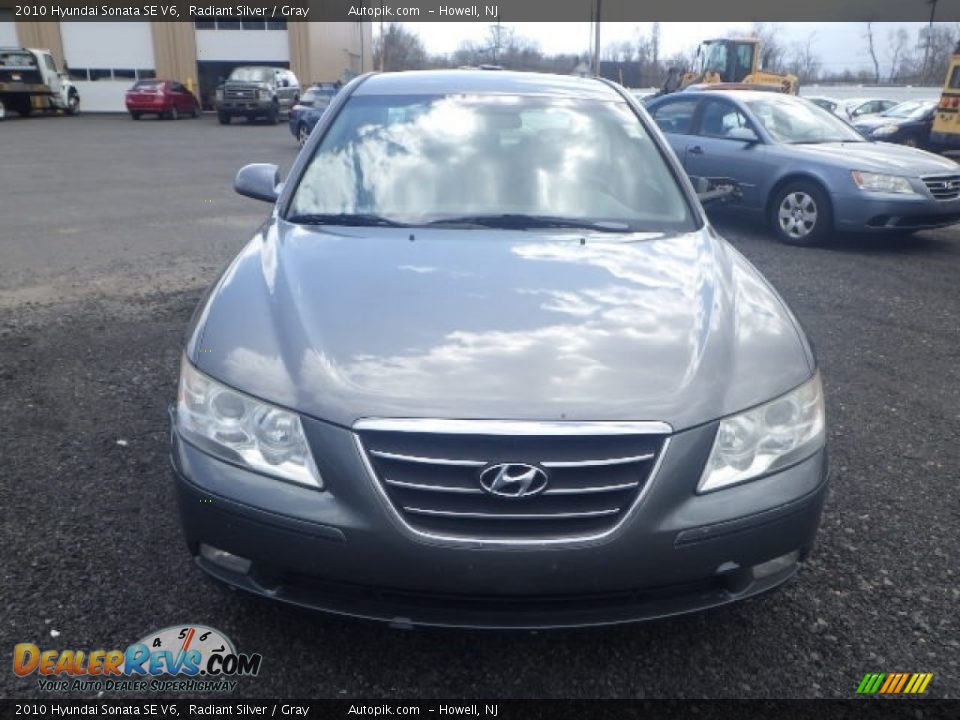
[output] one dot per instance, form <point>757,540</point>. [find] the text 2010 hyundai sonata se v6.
<point>487,364</point>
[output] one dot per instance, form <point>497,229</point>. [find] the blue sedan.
<point>802,169</point>
<point>305,114</point>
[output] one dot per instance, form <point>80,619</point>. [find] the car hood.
<point>357,322</point>
<point>878,157</point>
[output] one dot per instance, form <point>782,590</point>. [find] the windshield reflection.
<point>422,159</point>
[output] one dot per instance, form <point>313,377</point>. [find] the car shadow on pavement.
<point>944,240</point>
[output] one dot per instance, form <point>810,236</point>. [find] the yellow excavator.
<point>733,62</point>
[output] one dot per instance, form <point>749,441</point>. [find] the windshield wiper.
<point>526,222</point>
<point>352,219</point>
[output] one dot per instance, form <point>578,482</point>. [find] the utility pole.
<point>926,45</point>
<point>383,48</point>
<point>596,40</point>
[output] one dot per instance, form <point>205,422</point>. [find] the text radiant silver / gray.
<point>488,364</point>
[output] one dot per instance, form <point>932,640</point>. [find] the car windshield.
<point>252,74</point>
<point>792,121</point>
<point>490,160</point>
<point>17,59</point>
<point>911,109</point>
<point>143,84</point>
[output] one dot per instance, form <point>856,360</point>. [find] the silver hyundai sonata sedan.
<point>487,364</point>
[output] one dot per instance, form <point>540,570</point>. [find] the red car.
<point>163,98</point>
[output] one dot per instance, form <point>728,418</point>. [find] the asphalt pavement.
<point>110,230</point>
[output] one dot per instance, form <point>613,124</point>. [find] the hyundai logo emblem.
<point>513,480</point>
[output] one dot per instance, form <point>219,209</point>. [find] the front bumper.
<point>866,212</point>
<point>244,107</point>
<point>342,551</point>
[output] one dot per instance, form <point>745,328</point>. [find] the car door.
<point>181,98</point>
<point>726,144</point>
<point>674,117</point>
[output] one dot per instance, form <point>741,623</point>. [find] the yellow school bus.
<point>946,124</point>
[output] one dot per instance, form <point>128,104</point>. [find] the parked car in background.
<point>803,169</point>
<point>822,101</point>
<point>311,105</point>
<point>163,98</point>
<point>488,364</point>
<point>256,92</point>
<point>908,123</point>
<point>853,108</point>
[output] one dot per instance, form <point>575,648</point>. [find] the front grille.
<point>240,94</point>
<point>943,187</point>
<point>433,478</point>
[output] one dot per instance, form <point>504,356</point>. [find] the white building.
<point>105,58</point>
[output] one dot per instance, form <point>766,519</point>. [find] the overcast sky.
<point>839,45</point>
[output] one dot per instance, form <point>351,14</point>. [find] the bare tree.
<point>898,40</point>
<point>655,46</point>
<point>868,36</point>
<point>804,62</point>
<point>772,49</point>
<point>398,48</point>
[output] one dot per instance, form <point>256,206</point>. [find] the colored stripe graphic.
<point>894,683</point>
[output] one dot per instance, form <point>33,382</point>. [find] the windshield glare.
<point>795,121</point>
<point>251,75</point>
<point>421,159</point>
<point>912,109</point>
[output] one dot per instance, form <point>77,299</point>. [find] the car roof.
<point>743,95</point>
<point>419,82</point>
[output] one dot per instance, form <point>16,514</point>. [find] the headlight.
<point>771,436</point>
<point>884,130</point>
<point>872,182</point>
<point>241,430</point>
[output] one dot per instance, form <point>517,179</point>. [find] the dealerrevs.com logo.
<point>184,658</point>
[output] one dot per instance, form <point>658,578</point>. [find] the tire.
<point>195,112</point>
<point>800,213</point>
<point>24,108</point>
<point>174,114</point>
<point>274,116</point>
<point>302,135</point>
<point>135,115</point>
<point>223,118</point>
<point>73,104</point>
<point>3,110</point>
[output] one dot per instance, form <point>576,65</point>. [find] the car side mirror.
<point>743,133</point>
<point>260,181</point>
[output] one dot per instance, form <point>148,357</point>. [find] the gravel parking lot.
<point>110,230</point>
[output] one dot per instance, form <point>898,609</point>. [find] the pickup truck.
<point>30,80</point>
<point>254,92</point>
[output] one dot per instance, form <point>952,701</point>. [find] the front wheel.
<point>135,115</point>
<point>73,103</point>
<point>174,114</point>
<point>195,112</point>
<point>800,214</point>
<point>274,116</point>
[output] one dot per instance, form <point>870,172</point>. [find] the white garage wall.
<point>245,45</point>
<point>8,35</point>
<point>107,44</point>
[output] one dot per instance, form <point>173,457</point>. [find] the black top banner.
<point>486,10</point>
<point>486,709</point>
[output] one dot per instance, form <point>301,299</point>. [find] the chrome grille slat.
<point>943,187</point>
<point>432,488</point>
<point>513,516</point>
<point>595,489</point>
<point>435,476</point>
<point>426,460</point>
<point>596,463</point>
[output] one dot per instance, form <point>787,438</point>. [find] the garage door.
<point>105,58</point>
